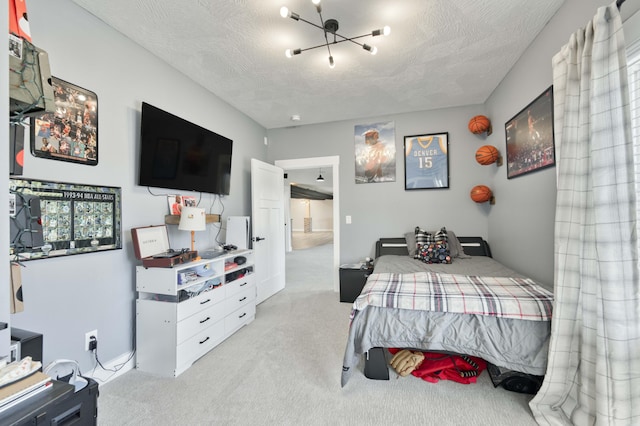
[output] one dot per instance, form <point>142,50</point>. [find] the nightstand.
<point>352,280</point>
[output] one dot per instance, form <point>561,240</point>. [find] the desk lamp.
<point>192,219</point>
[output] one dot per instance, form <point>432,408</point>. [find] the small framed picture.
<point>71,132</point>
<point>177,202</point>
<point>426,161</point>
<point>530,139</point>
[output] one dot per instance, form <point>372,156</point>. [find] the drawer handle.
<point>243,299</point>
<point>205,320</point>
<point>205,301</point>
<point>243,315</point>
<point>204,340</point>
<point>244,283</point>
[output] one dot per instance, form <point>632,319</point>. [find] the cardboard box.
<point>17,301</point>
<point>151,245</point>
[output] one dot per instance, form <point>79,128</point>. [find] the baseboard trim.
<point>122,364</point>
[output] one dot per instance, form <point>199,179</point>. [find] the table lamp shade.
<point>192,219</point>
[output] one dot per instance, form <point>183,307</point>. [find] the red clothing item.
<point>438,366</point>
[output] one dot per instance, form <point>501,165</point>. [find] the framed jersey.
<point>426,161</point>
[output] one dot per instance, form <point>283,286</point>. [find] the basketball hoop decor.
<point>480,124</point>
<point>488,154</point>
<point>482,194</point>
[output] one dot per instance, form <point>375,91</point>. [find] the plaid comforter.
<point>506,297</point>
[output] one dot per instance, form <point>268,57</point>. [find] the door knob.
<point>256,239</point>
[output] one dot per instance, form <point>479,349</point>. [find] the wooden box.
<point>151,245</point>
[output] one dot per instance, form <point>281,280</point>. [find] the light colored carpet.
<point>285,367</point>
<point>304,240</point>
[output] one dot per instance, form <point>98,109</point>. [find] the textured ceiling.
<point>440,53</point>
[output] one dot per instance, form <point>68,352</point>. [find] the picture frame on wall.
<point>50,219</point>
<point>71,132</point>
<point>375,152</point>
<point>426,161</point>
<point>530,138</point>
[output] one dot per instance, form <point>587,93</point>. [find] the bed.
<point>391,311</point>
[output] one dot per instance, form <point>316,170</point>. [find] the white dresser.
<point>185,311</point>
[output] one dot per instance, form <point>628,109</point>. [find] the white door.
<point>267,211</point>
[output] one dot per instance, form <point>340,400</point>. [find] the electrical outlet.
<point>87,338</point>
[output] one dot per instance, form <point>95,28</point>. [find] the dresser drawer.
<point>196,346</point>
<point>200,302</point>
<point>240,317</point>
<point>199,321</point>
<point>240,299</point>
<point>240,284</point>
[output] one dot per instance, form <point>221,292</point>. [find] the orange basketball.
<point>479,124</point>
<point>481,193</point>
<point>487,154</point>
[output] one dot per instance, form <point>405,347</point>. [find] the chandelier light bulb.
<point>330,26</point>
<point>371,49</point>
<point>384,31</point>
<point>292,52</point>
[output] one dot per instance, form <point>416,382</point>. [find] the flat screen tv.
<point>178,154</point>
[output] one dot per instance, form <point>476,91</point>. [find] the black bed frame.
<point>473,246</point>
<point>376,364</point>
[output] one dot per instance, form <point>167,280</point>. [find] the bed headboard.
<point>473,246</point>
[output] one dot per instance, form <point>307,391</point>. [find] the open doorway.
<point>306,171</point>
<point>310,208</point>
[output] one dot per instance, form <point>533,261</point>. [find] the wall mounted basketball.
<point>480,124</point>
<point>482,194</point>
<point>488,154</point>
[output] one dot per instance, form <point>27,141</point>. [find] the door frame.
<point>334,163</point>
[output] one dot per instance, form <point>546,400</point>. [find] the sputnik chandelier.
<point>330,27</point>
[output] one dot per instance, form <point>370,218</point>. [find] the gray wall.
<point>386,209</point>
<point>519,227</point>
<point>69,296</point>
<point>66,297</point>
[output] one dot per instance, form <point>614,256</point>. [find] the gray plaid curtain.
<point>593,371</point>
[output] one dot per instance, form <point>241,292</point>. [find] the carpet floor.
<point>284,369</point>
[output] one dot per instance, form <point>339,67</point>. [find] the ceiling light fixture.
<point>320,178</point>
<point>328,27</point>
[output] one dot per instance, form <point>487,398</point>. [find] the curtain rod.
<point>619,3</point>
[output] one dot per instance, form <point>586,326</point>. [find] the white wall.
<point>299,210</point>
<point>320,212</point>
<point>68,296</point>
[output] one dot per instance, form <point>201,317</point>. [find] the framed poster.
<point>426,161</point>
<point>71,132</point>
<point>49,219</point>
<point>375,152</point>
<point>529,134</point>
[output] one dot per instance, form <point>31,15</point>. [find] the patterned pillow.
<point>432,248</point>
<point>410,238</point>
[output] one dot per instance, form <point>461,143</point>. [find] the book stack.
<point>20,382</point>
